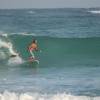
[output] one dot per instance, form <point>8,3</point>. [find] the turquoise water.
<point>69,64</point>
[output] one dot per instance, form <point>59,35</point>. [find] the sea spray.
<point>2,55</point>
<point>15,61</point>
<point>4,44</point>
<point>9,46</point>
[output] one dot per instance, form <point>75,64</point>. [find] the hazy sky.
<point>48,3</point>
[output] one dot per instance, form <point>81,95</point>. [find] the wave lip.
<point>8,46</point>
<point>37,96</point>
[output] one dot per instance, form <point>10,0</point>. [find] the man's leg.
<point>32,54</point>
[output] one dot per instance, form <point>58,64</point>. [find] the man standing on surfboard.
<point>33,47</point>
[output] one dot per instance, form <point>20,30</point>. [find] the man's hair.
<point>34,41</point>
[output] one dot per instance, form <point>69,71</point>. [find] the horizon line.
<point>51,8</point>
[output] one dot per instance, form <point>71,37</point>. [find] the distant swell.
<point>56,35</point>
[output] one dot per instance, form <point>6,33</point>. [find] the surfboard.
<point>31,59</point>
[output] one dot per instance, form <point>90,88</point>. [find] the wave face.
<point>60,50</point>
<point>69,61</point>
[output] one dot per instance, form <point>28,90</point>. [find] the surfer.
<point>33,47</point>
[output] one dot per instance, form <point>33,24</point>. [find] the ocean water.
<point>69,61</point>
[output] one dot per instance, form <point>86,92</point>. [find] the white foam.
<point>4,34</point>
<point>15,61</point>
<point>4,44</point>
<point>36,96</point>
<point>24,34</point>
<point>95,11</point>
<point>28,34</point>
<point>31,12</point>
<point>11,50</point>
<point>9,46</point>
<point>2,55</point>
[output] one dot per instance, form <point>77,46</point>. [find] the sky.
<point>9,4</point>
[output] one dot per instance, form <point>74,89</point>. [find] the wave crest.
<point>4,44</point>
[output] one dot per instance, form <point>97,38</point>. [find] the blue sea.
<point>69,61</point>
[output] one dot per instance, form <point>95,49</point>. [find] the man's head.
<point>34,41</point>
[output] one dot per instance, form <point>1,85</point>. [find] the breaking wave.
<point>7,49</point>
<point>37,96</point>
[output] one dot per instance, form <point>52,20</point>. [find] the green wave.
<point>59,50</point>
